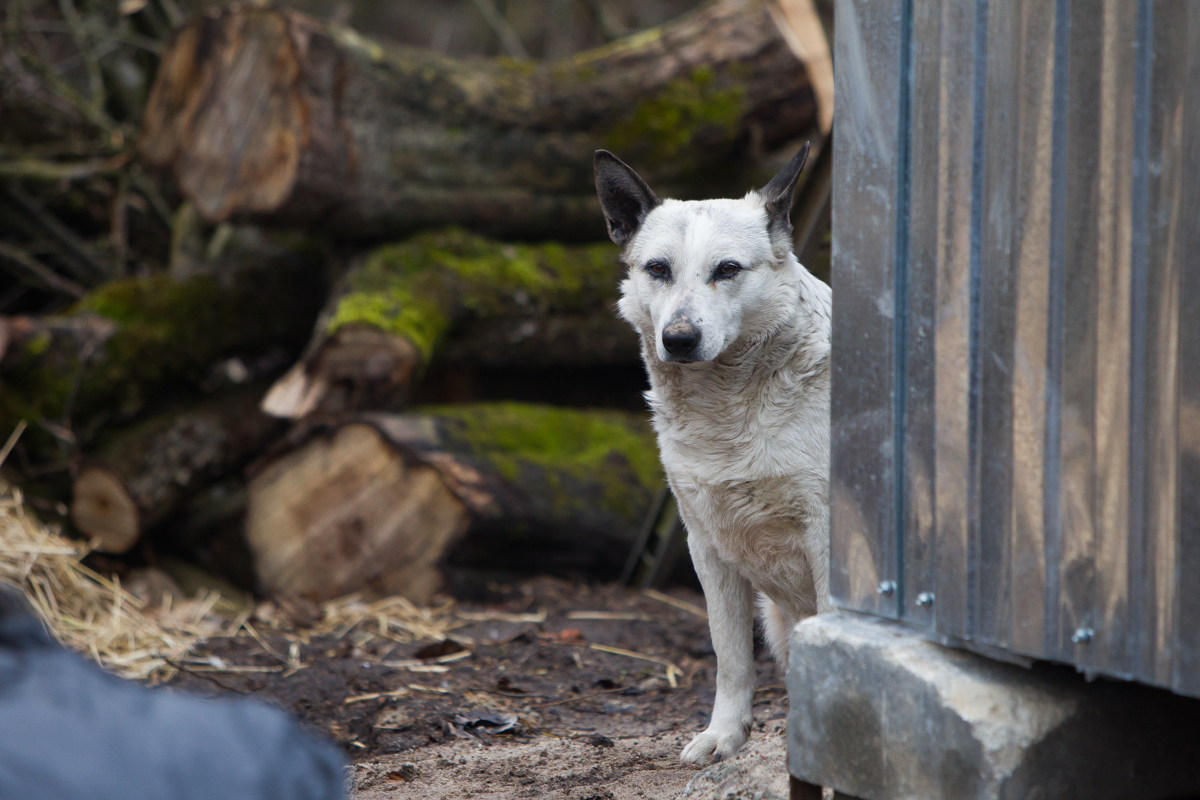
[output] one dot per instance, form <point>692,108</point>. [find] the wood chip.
<point>415,665</point>
<point>501,616</point>
<point>682,605</point>
<point>232,668</point>
<point>673,671</point>
<point>609,615</point>
<point>362,698</point>
<point>428,689</point>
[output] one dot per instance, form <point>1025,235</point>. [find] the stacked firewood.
<point>238,304</point>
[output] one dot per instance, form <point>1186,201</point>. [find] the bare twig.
<point>37,169</point>
<point>606,19</point>
<point>12,296</point>
<point>576,699</point>
<point>96,94</point>
<point>30,270</point>
<point>12,441</point>
<point>119,226</point>
<point>171,11</point>
<point>499,25</point>
<point>403,691</point>
<point>40,70</point>
<point>100,35</point>
<point>145,186</point>
<point>88,267</point>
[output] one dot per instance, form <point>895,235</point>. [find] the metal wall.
<point>1016,273</point>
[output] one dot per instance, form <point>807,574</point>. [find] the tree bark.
<point>129,342</point>
<point>378,504</point>
<point>137,478</point>
<point>268,113</point>
<point>481,302</point>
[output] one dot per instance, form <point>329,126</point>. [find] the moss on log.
<point>127,343</point>
<point>263,111</point>
<point>380,503</point>
<point>533,305</point>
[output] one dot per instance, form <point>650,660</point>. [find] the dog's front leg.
<point>730,601</point>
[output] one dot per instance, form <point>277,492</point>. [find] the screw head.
<point>1083,636</point>
<point>925,599</point>
<point>886,588</point>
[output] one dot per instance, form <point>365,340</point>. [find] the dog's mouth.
<point>687,360</point>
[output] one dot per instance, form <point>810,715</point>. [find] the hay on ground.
<point>94,615</point>
<point>90,613</point>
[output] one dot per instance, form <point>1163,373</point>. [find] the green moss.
<point>669,121</point>
<point>38,344</point>
<point>418,288</point>
<point>581,447</point>
<point>519,66</point>
<point>163,333</point>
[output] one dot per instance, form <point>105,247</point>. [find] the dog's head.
<point>702,274</point>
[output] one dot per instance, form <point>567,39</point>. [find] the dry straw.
<point>94,615</point>
<point>90,613</point>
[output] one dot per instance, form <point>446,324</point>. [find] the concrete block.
<point>880,714</point>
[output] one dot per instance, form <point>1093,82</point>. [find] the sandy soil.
<point>529,709</point>
<point>583,768</point>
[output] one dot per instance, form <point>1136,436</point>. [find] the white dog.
<point>735,336</point>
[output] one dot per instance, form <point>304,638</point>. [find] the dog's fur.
<point>743,420</point>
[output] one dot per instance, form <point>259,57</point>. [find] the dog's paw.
<point>714,745</point>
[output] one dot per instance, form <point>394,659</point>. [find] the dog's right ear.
<point>624,196</point>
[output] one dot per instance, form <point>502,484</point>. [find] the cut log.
<point>265,112</point>
<point>483,302</point>
<point>140,475</point>
<point>378,504</point>
<point>128,342</point>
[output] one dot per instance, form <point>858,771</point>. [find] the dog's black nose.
<point>681,339</point>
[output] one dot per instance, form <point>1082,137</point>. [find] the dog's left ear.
<point>778,196</point>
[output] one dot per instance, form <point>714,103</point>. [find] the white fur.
<point>743,431</point>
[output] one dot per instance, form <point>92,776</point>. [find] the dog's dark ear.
<point>778,196</point>
<point>624,196</point>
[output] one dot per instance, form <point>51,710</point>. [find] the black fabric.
<point>70,731</point>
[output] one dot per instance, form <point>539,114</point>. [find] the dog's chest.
<point>756,482</point>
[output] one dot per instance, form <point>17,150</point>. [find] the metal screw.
<point>925,599</point>
<point>886,588</point>
<point>1083,636</point>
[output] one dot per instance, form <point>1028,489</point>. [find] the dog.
<point>735,335</point>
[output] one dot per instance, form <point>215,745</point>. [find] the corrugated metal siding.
<point>1016,408</point>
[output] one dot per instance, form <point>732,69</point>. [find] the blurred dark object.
<point>662,541</point>
<point>76,732</point>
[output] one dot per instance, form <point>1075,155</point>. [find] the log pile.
<point>366,140</point>
<point>224,287</point>
<point>509,486</point>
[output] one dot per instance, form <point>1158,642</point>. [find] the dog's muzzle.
<point>680,340</point>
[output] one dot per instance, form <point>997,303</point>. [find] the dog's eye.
<point>659,269</point>
<point>727,269</point>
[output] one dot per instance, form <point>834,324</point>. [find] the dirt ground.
<point>516,704</point>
